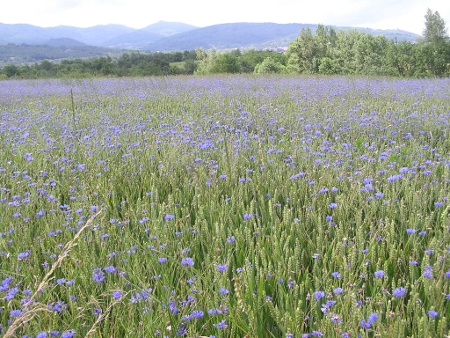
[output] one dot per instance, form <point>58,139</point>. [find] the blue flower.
<point>117,294</point>
<point>98,275</point>
<point>367,324</point>
<point>188,261</point>
<point>319,294</point>
<point>169,217</point>
<point>15,313</point>
<point>68,334</point>
<point>433,313</point>
<point>110,269</point>
<point>338,291</point>
<point>222,267</point>
<point>379,274</point>
<point>224,291</point>
<point>197,314</point>
<point>221,325</point>
<point>398,292</point>
<point>23,255</point>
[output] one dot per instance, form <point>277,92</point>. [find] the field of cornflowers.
<point>225,207</point>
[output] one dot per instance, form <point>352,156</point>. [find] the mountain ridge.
<point>164,36</point>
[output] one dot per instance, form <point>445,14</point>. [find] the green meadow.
<point>225,206</point>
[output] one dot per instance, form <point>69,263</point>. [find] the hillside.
<point>252,35</point>
<point>22,43</point>
<point>114,36</point>
<point>55,50</point>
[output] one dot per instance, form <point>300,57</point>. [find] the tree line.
<point>144,64</point>
<point>324,52</point>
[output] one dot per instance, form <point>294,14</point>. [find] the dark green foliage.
<point>357,53</point>
<point>25,53</point>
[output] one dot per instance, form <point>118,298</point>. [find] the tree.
<point>435,32</point>
<point>269,66</point>
<point>225,63</point>
<point>435,52</point>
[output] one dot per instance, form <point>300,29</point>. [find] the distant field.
<point>225,207</point>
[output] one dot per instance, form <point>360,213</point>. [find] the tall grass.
<point>225,206</point>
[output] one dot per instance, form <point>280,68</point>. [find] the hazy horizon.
<point>407,15</point>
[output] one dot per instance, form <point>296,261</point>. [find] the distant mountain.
<point>29,34</point>
<point>161,36</point>
<point>115,36</point>
<point>141,38</point>
<point>93,36</point>
<point>55,49</point>
<point>166,28</point>
<point>231,35</point>
<point>134,40</point>
<point>252,35</point>
<point>66,42</point>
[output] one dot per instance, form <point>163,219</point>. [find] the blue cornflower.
<point>224,291</point>
<point>169,217</point>
<point>336,274</point>
<point>368,324</point>
<point>68,334</point>
<point>15,313</point>
<point>59,306</point>
<point>117,294</point>
<point>197,314</point>
<point>319,294</point>
<point>428,274</point>
<point>379,274</point>
<point>222,267</point>
<point>214,311</point>
<point>433,313</point>
<point>110,269</point>
<point>98,275</point>
<point>379,195</point>
<point>338,291</point>
<point>297,176</point>
<point>398,292</point>
<point>23,255</point>
<point>221,325</point>
<point>188,261</point>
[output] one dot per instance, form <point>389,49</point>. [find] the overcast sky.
<point>385,14</point>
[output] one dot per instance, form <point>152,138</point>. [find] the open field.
<point>225,206</point>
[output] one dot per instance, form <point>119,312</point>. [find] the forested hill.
<point>253,35</point>
<point>171,36</point>
<point>55,49</point>
<point>116,36</point>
